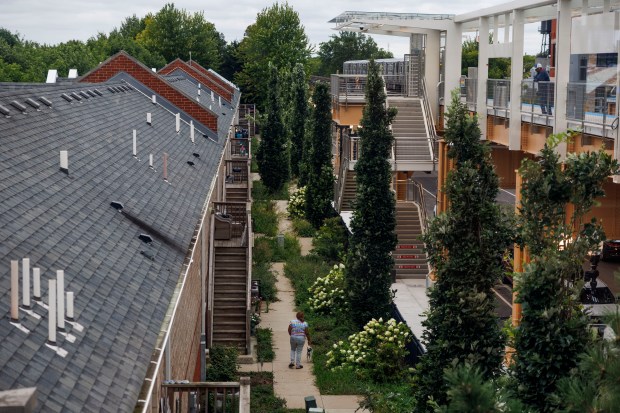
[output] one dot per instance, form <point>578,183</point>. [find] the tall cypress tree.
<point>320,192</point>
<point>552,333</point>
<point>299,117</point>
<point>369,260</point>
<point>273,152</point>
<point>464,246</point>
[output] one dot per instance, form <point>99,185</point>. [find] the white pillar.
<point>26,282</point>
<point>506,28</point>
<point>51,326</point>
<point>453,52</point>
<point>496,29</point>
<point>562,65</point>
<point>15,291</point>
<point>483,74</point>
<point>516,76</point>
<point>60,296</point>
<point>431,69</point>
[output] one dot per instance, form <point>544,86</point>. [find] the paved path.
<point>291,384</point>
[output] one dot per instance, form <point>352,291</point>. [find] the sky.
<point>52,22</point>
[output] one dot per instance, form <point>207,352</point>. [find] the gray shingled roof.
<point>66,222</point>
<point>188,85</point>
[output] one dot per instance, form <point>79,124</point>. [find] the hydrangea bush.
<point>327,294</point>
<point>296,203</point>
<point>378,351</point>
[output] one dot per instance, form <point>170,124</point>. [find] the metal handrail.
<point>418,197</point>
<point>248,252</point>
<point>211,283</point>
<point>342,171</point>
<point>430,121</point>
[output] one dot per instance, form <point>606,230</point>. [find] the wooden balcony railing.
<point>214,397</point>
<point>237,211</point>
<point>237,171</point>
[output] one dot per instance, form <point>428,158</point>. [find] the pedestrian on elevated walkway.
<point>298,330</point>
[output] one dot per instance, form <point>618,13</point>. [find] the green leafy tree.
<point>595,385</point>
<point>299,116</point>
<point>175,33</point>
<point>278,37</point>
<point>464,246</point>
<point>347,46</point>
<point>230,61</point>
<point>273,153</point>
<point>552,332</point>
<point>320,189</point>
<point>369,261</point>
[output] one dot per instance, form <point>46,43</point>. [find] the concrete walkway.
<point>293,385</point>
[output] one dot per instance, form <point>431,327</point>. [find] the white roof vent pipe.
<point>154,69</point>
<point>151,161</point>
<point>219,101</point>
<point>70,314</point>
<point>135,145</point>
<point>51,326</point>
<point>73,74</point>
<point>36,284</point>
<point>15,291</point>
<point>26,283</point>
<point>198,91</point>
<point>148,118</point>
<point>154,99</point>
<point>64,161</point>
<point>212,96</point>
<point>60,294</point>
<point>191,130</point>
<point>52,76</point>
<point>165,167</point>
<point>178,122</point>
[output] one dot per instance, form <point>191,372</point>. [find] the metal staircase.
<point>409,257</point>
<point>412,136</point>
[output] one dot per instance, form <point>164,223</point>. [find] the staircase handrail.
<point>418,198</point>
<point>387,107</point>
<point>211,283</point>
<point>248,262</point>
<point>342,173</point>
<point>429,120</point>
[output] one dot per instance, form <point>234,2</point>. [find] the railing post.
<point>244,395</point>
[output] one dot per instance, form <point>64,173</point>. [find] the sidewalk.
<point>291,384</point>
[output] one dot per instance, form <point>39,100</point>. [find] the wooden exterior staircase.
<point>349,192</point>
<point>409,257</point>
<point>230,297</point>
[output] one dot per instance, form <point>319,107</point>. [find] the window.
<point>606,60</point>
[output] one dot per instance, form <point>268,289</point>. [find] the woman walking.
<point>298,330</point>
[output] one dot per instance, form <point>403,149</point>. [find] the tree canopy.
<point>278,37</point>
<point>347,46</point>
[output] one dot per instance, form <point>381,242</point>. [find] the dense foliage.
<point>278,37</point>
<point>320,188</point>
<point>465,246</point>
<point>552,333</point>
<point>370,261</point>
<point>327,294</point>
<point>377,351</point>
<point>297,203</point>
<point>347,46</point>
<point>299,117</point>
<point>273,152</point>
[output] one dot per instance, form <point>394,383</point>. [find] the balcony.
<point>216,397</point>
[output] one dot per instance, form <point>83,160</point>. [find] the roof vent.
<point>33,104</point>
<point>148,254</point>
<point>91,93</point>
<point>190,163</point>
<point>73,74</point>
<point>98,92</point>
<point>66,97</point>
<point>86,95</point>
<point>111,89</point>
<point>5,111</point>
<point>154,69</point>
<point>147,239</point>
<point>64,161</point>
<point>130,87</point>
<point>45,101</point>
<point>154,99</point>
<point>76,96</point>
<point>18,106</point>
<point>148,118</point>
<point>116,205</point>
<point>196,155</point>
<point>52,75</point>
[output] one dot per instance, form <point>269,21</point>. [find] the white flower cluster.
<point>297,203</point>
<point>380,345</point>
<point>327,293</point>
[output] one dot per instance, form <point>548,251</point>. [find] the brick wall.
<point>207,79</point>
<point>124,63</point>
